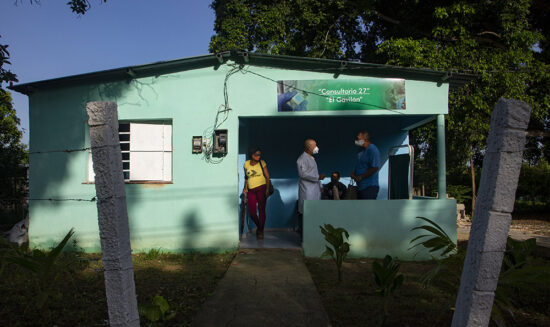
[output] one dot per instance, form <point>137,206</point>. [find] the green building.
<point>182,197</point>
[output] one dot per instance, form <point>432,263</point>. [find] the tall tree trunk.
<point>473,171</point>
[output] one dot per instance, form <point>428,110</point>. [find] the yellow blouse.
<point>254,174</point>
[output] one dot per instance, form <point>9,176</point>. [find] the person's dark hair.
<point>365,134</point>
<point>335,172</point>
<point>253,150</point>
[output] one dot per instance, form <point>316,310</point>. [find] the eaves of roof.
<point>335,67</point>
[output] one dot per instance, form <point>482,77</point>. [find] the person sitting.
<point>334,190</point>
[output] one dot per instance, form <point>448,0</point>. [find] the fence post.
<point>492,217</point>
<point>114,231</point>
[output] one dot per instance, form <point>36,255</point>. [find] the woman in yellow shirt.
<point>256,188</point>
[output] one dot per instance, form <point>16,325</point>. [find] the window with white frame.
<point>146,151</point>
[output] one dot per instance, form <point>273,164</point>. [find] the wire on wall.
<point>222,115</point>
<point>74,150</point>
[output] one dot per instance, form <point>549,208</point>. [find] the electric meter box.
<point>197,144</point>
<point>220,142</point>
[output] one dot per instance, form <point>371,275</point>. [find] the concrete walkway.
<point>274,239</point>
<point>264,287</point>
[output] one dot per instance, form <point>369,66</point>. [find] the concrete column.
<point>491,223</point>
<point>441,166</point>
<point>112,214</point>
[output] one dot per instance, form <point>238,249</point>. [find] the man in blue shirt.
<point>366,168</point>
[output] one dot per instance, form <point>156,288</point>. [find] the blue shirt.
<point>366,159</point>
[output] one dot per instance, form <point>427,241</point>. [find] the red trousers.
<point>257,198</point>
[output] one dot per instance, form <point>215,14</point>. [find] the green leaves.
<point>437,238</point>
<point>5,75</point>
<point>517,252</point>
<point>340,248</point>
<point>39,262</point>
<point>386,277</point>
<point>460,192</point>
<point>80,7</point>
<point>158,312</point>
<point>515,269</point>
<point>44,267</point>
<point>321,29</point>
<point>387,280</point>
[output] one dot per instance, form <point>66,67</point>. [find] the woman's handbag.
<point>271,189</point>
<point>351,193</point>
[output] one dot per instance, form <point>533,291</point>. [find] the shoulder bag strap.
<point>261,166</point>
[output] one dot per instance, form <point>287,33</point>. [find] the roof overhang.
<point>336,67</point>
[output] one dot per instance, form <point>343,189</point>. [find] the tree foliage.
<point>493,39</point>
<point>323,29</point>
<point>12,151</point>
<point>80,6</point>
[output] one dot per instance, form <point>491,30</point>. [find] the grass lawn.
<point>353,302</point>
<point>77,291</point>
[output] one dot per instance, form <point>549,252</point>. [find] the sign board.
<point>356,94</point>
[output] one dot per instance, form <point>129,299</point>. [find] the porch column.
<point>441,168</point>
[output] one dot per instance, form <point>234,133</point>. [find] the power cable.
<point>74,150</point>
<point>93,199</point>
<point>223,110</point>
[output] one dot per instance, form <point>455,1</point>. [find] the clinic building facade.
<point>185,129</point>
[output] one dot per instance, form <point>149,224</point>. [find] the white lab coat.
<point>309,187</point>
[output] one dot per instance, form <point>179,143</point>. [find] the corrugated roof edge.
<point>336,67</point>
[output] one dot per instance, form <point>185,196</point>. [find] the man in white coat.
<point>309,177</point>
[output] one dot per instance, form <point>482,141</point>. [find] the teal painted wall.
<point>377,228</point>
<point>199,210</point>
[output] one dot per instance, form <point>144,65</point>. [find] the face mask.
<point>359,142</point>
<point>316,150</point>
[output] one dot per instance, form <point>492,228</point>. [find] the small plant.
<point>335,237</point>
<point>43,266</point>
<point>516,272</point>
<point>515,269</point>
<point>153,254</point>
<point>517,252</point>
<point>387,280</point>
<point>158,312</point>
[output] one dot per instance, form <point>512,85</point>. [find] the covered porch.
<point>383,226</point>
<point>376,227</point>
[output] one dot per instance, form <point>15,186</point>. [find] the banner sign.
<point>356,94</point>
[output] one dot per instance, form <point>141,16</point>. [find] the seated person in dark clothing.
<point>334,190</point>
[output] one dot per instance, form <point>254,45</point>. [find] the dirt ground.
<point>77,296</point>
<point>354,301</point>
<point>520,229</point>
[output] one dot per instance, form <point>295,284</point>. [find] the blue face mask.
<point>359,142</point>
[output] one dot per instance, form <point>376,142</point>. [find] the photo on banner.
<point>356,94</point>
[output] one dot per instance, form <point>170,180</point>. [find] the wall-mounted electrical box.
<point>220,142</point>
<point>197,144</point>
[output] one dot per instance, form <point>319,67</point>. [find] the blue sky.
<point>47,40</point>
